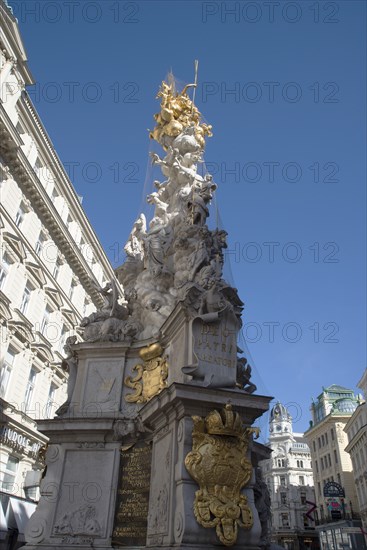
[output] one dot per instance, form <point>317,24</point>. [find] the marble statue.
<point>134,247</point>
<point>174,258</point>
<point>70,365</point>
<point>161,350</point>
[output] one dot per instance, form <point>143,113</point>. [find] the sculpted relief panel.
<point>103,385</point>
<point>161,488</point>
<point>84,499</point>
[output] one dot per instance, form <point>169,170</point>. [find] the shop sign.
<point>334,504</point>
<point>14,437</point>
<point>333,489</point>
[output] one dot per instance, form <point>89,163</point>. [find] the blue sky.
<point>283,84</point>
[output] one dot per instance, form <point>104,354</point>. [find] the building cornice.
<point>331,418</point>
<point>45,146</point>
<point>27,179</point>
<point>11,40</point>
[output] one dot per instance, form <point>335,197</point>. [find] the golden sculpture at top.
<point>151,376</point>
<point>177,113</point>
<point>219,465</point>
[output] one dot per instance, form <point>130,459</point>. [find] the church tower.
<point>280,422</point>
<point>288,476</point>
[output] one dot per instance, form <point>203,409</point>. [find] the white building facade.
<point>51,267</point>
<point>288,475</point>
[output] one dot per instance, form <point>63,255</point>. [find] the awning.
<point>22,511</point>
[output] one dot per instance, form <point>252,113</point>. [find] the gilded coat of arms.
<point>219,465</point>
<point>151,375</point>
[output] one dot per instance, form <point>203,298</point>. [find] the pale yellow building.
<point>335,490</point>
<point>356,429</point>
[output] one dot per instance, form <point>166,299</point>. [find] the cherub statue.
<point>134,246</point>
<point>160,212</point>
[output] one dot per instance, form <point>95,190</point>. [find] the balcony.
<point>347,517</point>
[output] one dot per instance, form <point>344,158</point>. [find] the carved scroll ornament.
<point>150,377</point>
<point>219,465</point>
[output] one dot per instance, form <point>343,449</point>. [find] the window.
<point>283,498</point>
<point>319,442</point>
<point>314,446</point>
<point>73,286</point>
<point>38,166</point>
<point>6,371</point>
<point>85,305</point>
<point>50,400</point>
<point>329,459</point>
<point>335,457</point>
<point>20,128</point>
<point>62,338</point>
<point>284,520</point>
<point>4,270</point>
<point>10,473</point>
<point>30,388</point>
<point>25,299</point>
<point>339,479</point>
<point>332,434</point>
<point>326,439</point>
<point>282,481</point>
<point>301,480</point>
<point>323,440</point>
<point>54,195</point>
<point>303,498</point>
<point>20,216</point>
<point>316,466</point>
<point>57,266</point>
<point>322,463</point>
<point>281,463</point>
<point>40,243</point>
<point>319,488</point>
<point>45,320</point>
<point>299,463</point>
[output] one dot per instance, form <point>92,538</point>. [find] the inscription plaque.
<point>215,349</point>
<point>131,512</point>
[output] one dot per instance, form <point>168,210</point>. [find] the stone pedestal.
<point>171,522</point>
<point>116,474</point>
<point>96,464</point>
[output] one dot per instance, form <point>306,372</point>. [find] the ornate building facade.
<point>336,496</point>
<point>288,475</point>
<point>356,430</point>
<point>51,267</point>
